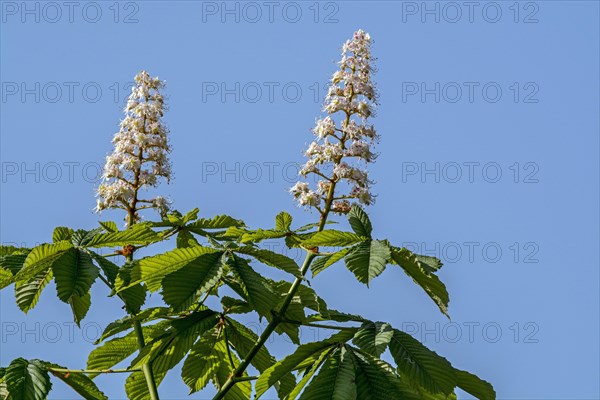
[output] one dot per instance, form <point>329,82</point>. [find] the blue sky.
<point>489,159</point>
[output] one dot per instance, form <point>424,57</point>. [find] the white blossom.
<point>141,148</point>
<point>348,143</point>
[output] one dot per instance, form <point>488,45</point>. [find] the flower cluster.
<point>140,155</point>
<point>347,145</point>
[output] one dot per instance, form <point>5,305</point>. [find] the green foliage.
<point>215,254</point>
<point>27,380</point>
<point>79,382</point>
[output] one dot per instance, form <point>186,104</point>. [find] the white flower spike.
<point>140,155</point>
<point>347,145</point>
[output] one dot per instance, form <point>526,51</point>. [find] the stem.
<point>95,371</point>
<point>137,326</point>
<point>245,378</point>
<point>277,318</point>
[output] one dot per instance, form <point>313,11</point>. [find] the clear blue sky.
<point>466,94</point>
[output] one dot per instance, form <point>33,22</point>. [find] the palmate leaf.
<point>359,221</point>
<point>80,305</point>
<point>81,383</point>
<point>135,294</point>
<point>373,337</point>
<point>27,380</point>
<point>324,262</point>
<point>241,390</point>
<point>62,233</point>
<point>116,350</point>
<point>138,234</point>
<point>136,386</point>
<point>168,349</point>
<point>255,288</point>
<point>290,363</point>
<point>283,221</point>
<point>40,258</point>
<point>335,380</point>
<point>218,222</point>
<point>74,274</point>
<point>204,360</point>
<point>475,386</point>
<point>421,365</point>
<point>368,260</point>
<point>375,379</point>
<point>10,265</point>
<point>186,239</point>
<point>28,294</point>
<point>309,372</point>
<point>152,270</point>
<point>243,340</point>
<point>261,234</point>
<point>126,323</point>
<point>235,306</point>
<point>417,271</point>
<point>332,238</point>
<point>181,288</point>
<point>272,259</point>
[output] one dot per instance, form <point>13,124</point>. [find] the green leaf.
<point>136,386</point>
<point>80,305</point>
<point>335,380</point>
<point>475,386</point>
<point>165,351</point>
<point>83,385</point>
<point>243,340</point>
<point>368,260</point>
<point>204,360</point>
<point>62,233</point>
<point>110,269</point>
<point>116,350</point>
<point>10,250</point>
<point>374,337</point>
<point>138,234</point>
<point>430,264</point>
<point>256,289</point>
<point>134,295</point>
<point>153,269</point>
<point>27,380</point>
<point>262,234</point>
<point>10,265</point>
<point>359,221</point>
<point>218,222</point>
<point>421,365</point>
<point>273,259</point>
<point>109,226</point>
<point>127,322</point>
<point>309,373</point>
<point>235,306</point>
<point>333,238</point>
<point>28,294</point>
<point>239,391</point>
<point>81,237</point>
<point>40,258</point>
<point>324,262</point>
<point>428,281</point>
<point>375,378</point>
<point>74,274</point>
<point>283,221</point>
<point>183,287</point>
<point>290,363</point>
<point>186,239</point>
